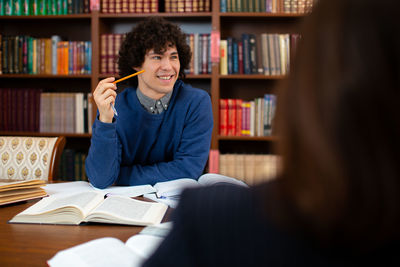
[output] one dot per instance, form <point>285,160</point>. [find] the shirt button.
<point>165,106</point>
<point>158,102</point>
<point>151,108</point>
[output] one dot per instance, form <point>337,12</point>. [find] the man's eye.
<point>156,57</point>
<point>174,57</point>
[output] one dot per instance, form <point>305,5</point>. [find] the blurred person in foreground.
<point>336,201</point>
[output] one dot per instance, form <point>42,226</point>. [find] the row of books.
<point>153,6</point>
<point>200,45</point>
<point>247,118</point>
<point>29,55</point>
<point>43,7</point>
<point>249,168</point>
<point>129,6</point>
<point>187,6</point>
<point>72,166</point>
<point>65,113</point>
<point>19,109</point>
<point>267,54</point>
<point>109,47</point>
<point>269,6</point>
<point>32,110</point>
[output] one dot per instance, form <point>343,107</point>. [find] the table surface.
<point>34,244</point>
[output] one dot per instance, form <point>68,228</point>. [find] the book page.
<point>174,187</point>
<point>82,186</point>
<point>129,191</point>
<point>102,252</point>
<point>70,208</point>
<point>212,179</point>
<point>125,210</point>
<point>68,188</point>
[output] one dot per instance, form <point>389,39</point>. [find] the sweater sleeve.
<point>104,157</point>
<point>191,156</point>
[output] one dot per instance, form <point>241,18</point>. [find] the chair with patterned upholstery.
<point>28,157</point>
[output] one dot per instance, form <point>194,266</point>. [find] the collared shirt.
<point>151,105</point>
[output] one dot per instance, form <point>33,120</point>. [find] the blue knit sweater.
<point>142,148</point>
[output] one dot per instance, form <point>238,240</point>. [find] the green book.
<point>8,7</point>
<point>17,7</point>
<point>25,8</point>
<point>2,2</point>
<point>30,55</point>
<point>64,7</point>
<point>34,7</point>
<point>42,7</point>
<point>59,7</point>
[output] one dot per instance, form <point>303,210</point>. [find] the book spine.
<point>223,117</point>
<point>223,57</point>
<point>231,117</point>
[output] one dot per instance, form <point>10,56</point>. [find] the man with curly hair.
<point>163,127</point>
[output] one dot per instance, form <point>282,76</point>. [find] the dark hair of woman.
<point>153,33</point>
<point>339,126</point>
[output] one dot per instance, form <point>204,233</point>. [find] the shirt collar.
<point>151,105</point>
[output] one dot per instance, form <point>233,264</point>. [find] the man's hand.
<point>104,95</point>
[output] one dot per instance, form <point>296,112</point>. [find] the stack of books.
<point>15,191</point>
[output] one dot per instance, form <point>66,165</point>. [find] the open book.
<point>169,192</point>
<point>109,251</point>
<point>15,191</point>
<point>92,207</point>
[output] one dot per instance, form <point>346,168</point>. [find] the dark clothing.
<point>225,226</point>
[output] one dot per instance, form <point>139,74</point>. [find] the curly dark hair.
<point>152,33</point>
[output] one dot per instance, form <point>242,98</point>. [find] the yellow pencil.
<point>127,77</point>
<point>120,80</point>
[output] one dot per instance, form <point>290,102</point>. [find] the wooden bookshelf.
<point>89,27</point>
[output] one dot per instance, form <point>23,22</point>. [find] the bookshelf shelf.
<point>91,27</point>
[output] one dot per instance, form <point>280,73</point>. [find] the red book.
<point>223,117</point>
<point>110,53</point>
<point>146,6</point>
<point>213,161</point>
<point>231,117</point>
<point>139,6</point>
<point>27,102</point>
<point>154,6</point>
<point>238,130</point>
<point>195,5</point>
<point>103,53</point>
<point>188,6</point>
<point>111,6</point>
<point>207,5</point>
<point>125,6</point>
<point>118,6</point>
<point>131,6</point>
<point>104,6</point>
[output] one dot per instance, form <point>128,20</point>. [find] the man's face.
<point>161,72</point>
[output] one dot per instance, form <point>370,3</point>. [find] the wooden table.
<point>33,244</point>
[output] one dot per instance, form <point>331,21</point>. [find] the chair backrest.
<point>26,157</point>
